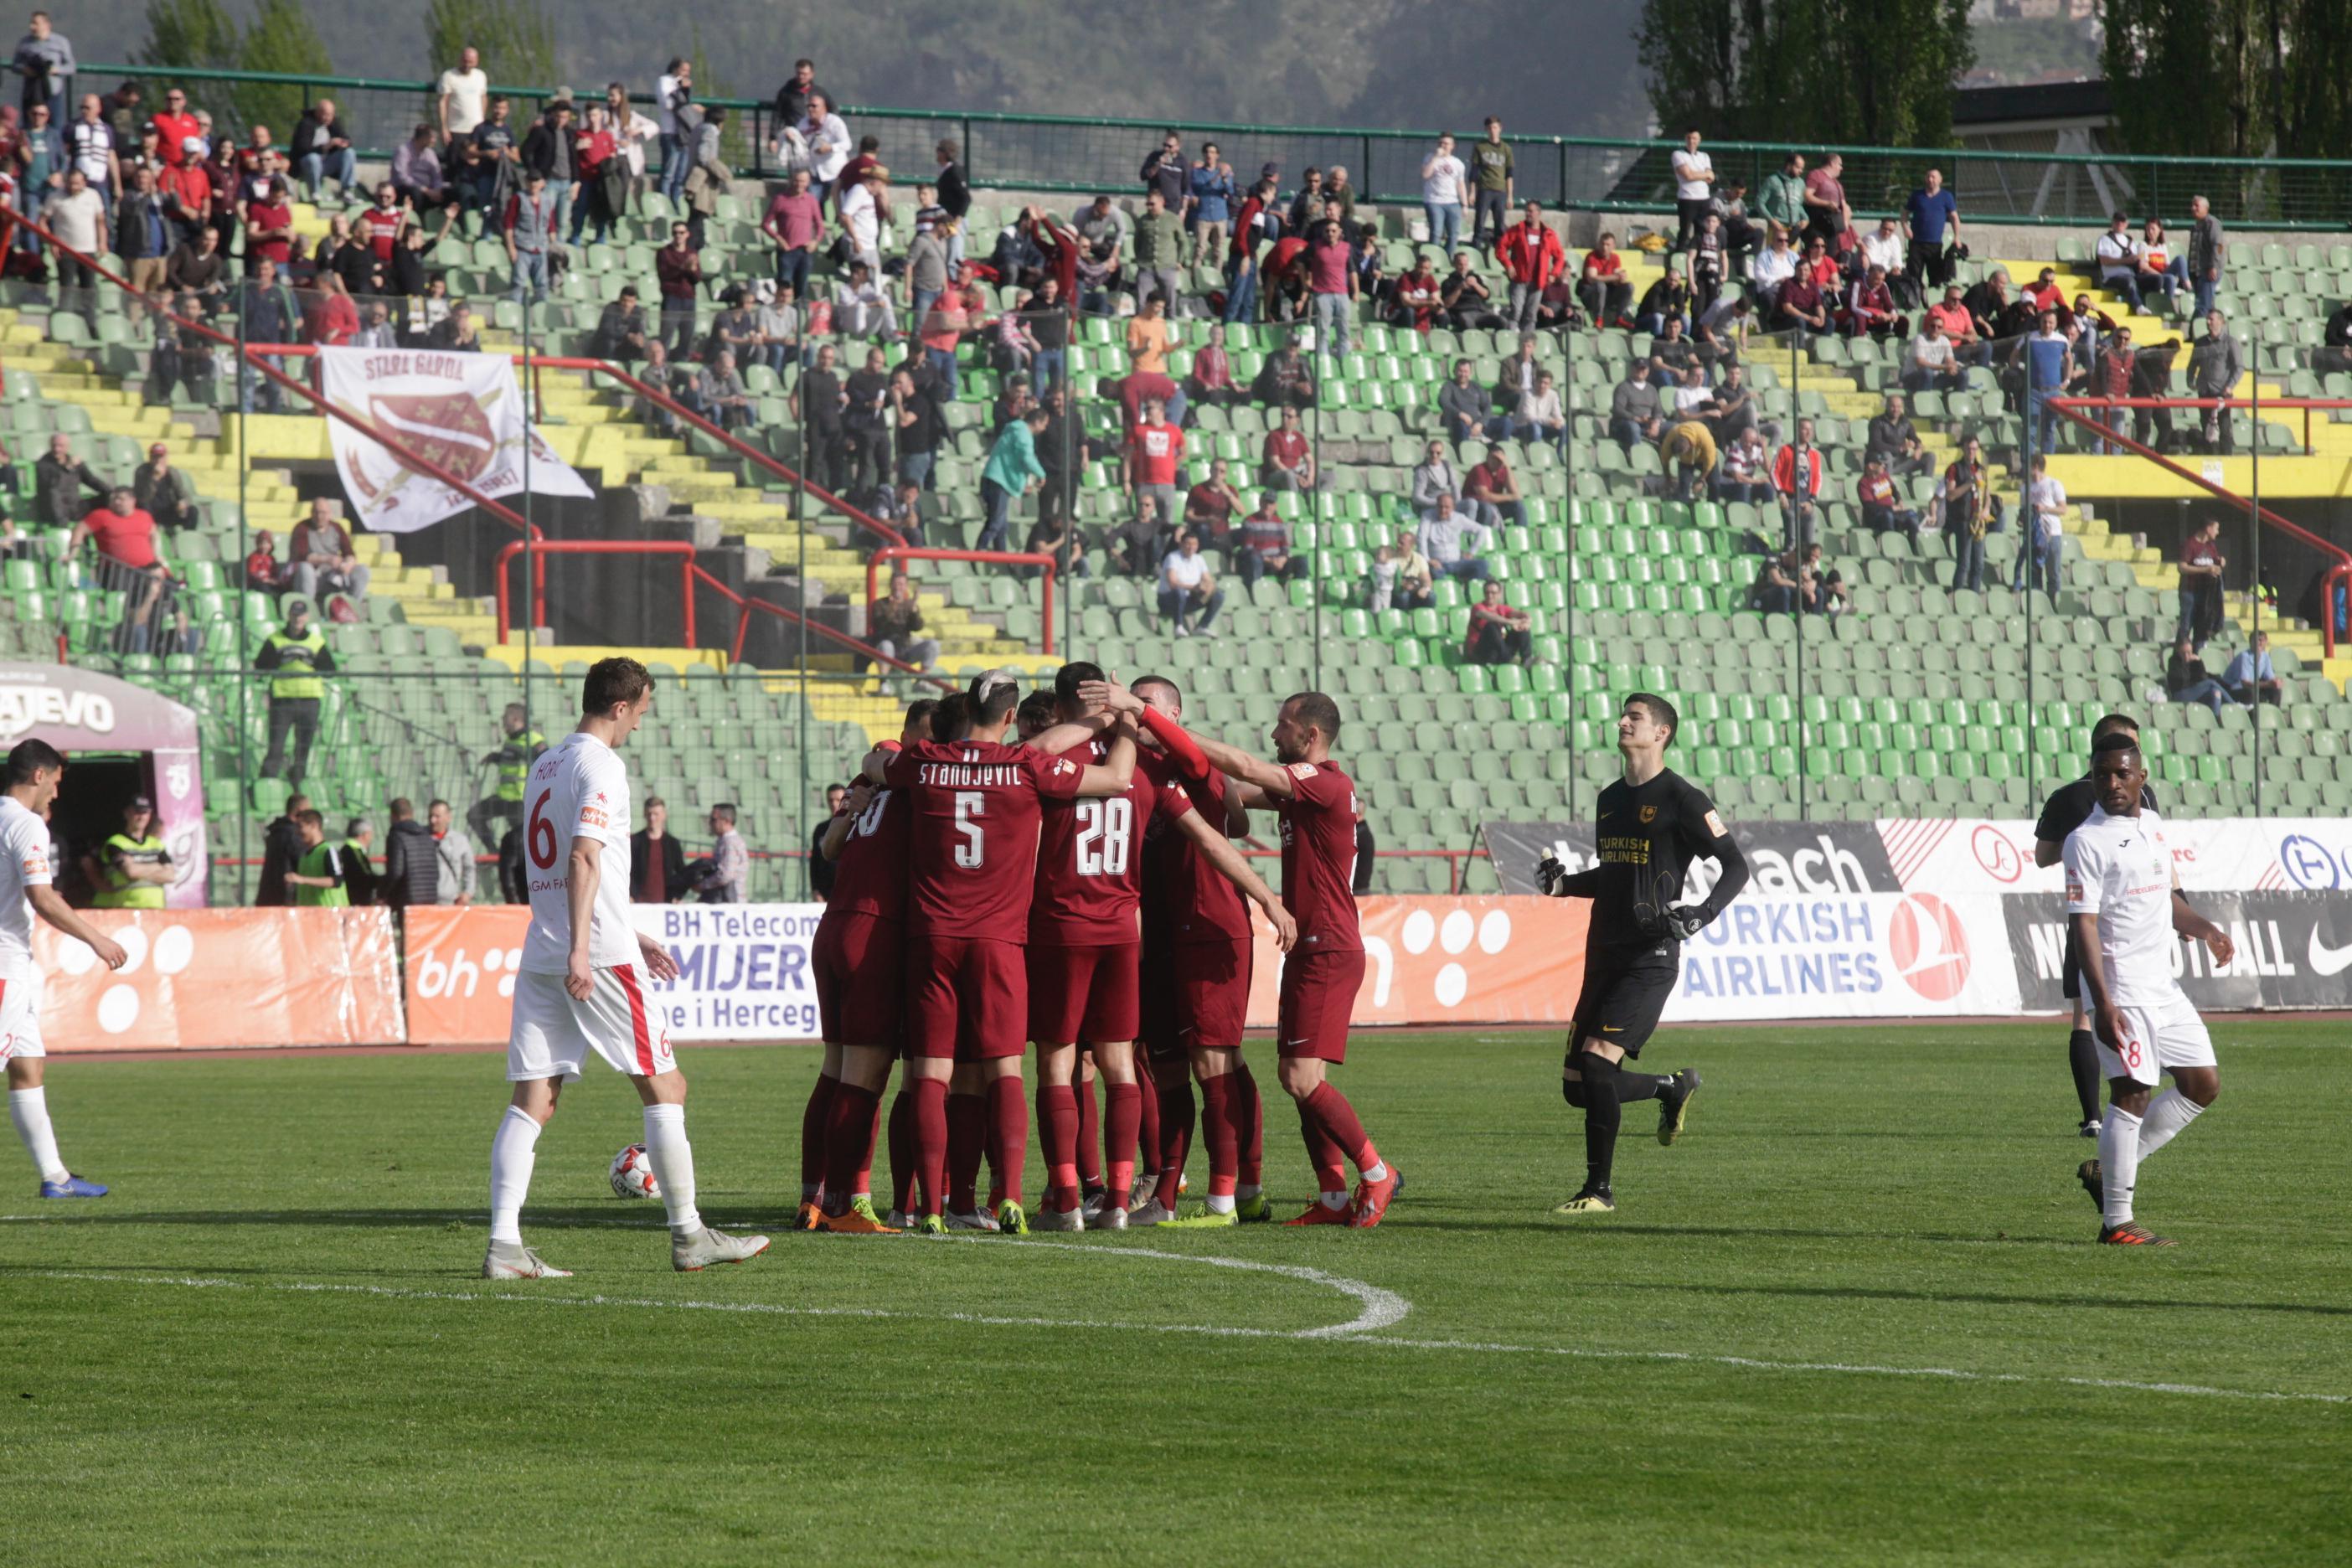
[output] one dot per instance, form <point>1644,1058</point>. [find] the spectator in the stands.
<point>45,59</point>
<point>1210,197</point>
<point>127,564</point>
<point>1633,418</point>
<point>1499,634</point>
<point>2042,533</point>
<point>458,332</point>
<point>724,878</point>
<point>1929,363</point>
<point>792,98</point>
<point>1735,407</point>
<point>1602,288</point>
<point>862,208</point>
<point>2117,257</point>
<point>1449,538</point>
<point>2215,365</point>
<point>1687,454</point>
<point>321,557</point>
<point>1668,299</point>
<point>1435,477</point>
<point>1210,505</point>
<point>1968,512</point>
<point>1670,354</point>
<point>894,626</point>
<point>1188,588</point>
<point>2112,371</point>
<point>411,862</point>
<point>2201,574</point>
<point>927,263</point>
<point>1775,590</point>
<point>1149,338</point>
<point>829,147</point>
<point>1263,546</point>
<point>1827,215</point>
<point>1744,474</point>
<point>1135,546</point>
<point>2249,675</point>
<point>1799,306</point>
<point>1798,469</point>
<point>142,233</point>
<point>674,106</point>
<point>621,331</point>
<point>1159,249</point>
<point>822,869</point>
<point>1210,381</point>
<point>678,267</point>
<point>2156,267</point>
<point>1771,268</point>
<point>1332,282</point>
<point>165,492</point>
<point>1418,298</point>
<point>322,149</point>
<point>2186,680</point>
<point>1492,493</point>
<point>1932,220</point>
<point>1883,511</point>
<point>1783,199</point>
<point>1463,405</point>
<point>780,330</point>
<point>197,267</point>
<point>862,308</point>
<point>1537,417</point>
<point>720,395</point>
<point>818,402</point>
<point>1444,190</point>
<point>1285,378</point>
<point>377,331</point>
<point>418,176</point>
<point>460,95</point>
<point>549,150</point>
<point>1532,257</point>
<point>58,479</point>
<point>1286,461</point>
<point>77,216</point>
<point>2208,250</point>
<point>1047,321</point>
<point>602,196</point>
<point>527,229</point>
<point>1870,307</point>
<point>939,331</point>
<point>1012,471</point>
<point>866,424</point>
<point>1893,439</point>
<point>1469,306</point>
<point>1154,458</point>
<point>919,427</point>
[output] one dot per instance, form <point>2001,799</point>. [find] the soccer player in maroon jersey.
<point>972,843</point>
<point>1317,803</point>
<point>1197,958</point>
<point>858,959</point>
<point>1083,952</point>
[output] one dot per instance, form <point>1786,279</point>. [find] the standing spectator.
<point>2250,677</point>
<point>45,59</point>
<point>866,422</point>
<point>281,848</point>
<point>1154,458</point>
<point>1047,319</point>
<point>673,95</point>
<point>319,556</point>
<point>2044,534</point>
<point>1499,634</point>
<point>1164,171</point>
<point>1797,473</point>
<point>2049,372</point>
<point>1932,222</point>
<point>269,228</point>
<point>548,151</point>
<point>678,267</point>
<point>299,655</point>
<point>821,871</point>
<point>2111,376</point>
<point>894,626</point>
<point>453,857</point>
<point>1827,215</point>
<point>604,194</point>
<point>2184,680</point>
<point>818,401</point>
<point>90,147</point>
<point>1442,190</point>
<point>920,423</point>
<point>1147,337</point>
<point>725,878</point>
<point>2201,595</point>
<point>954,193</point>
<point>461,94</point>
<point>1782,202</point>
<point>1012,471</point>
<point>1532,257</point>
<point>2207,252</point>
<point>1694,188</point>
<point>792,98</point>
<point>859,205</point>
<point>657,857</point>
<point>58,477</point>
<point>1448,538</point>
<point>165,492</point>
<point>78,217</point>
<point>1287,461</point>
<point>1211,197</point>
<point>128,563</point>
<point>1970,512</point>
<point>2215,365</point>
<point>1492,178</point>
<point>927,263</point>
<point>527,229</point>
<point>1159,250</point>
<point>829,147</point>
<point>1265,545</point>
<point>143,235</point>
<point>1187,586</point>
<point>322,149</point>
<point>411,865</point>
<point>631,133</point>
<point>1601,287</point>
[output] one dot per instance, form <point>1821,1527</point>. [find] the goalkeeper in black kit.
<point>1653,824</point>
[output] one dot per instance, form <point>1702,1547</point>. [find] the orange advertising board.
<point>1445,960</point>
<point>461,972</point>
<point>211,979</point>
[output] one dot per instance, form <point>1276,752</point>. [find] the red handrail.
<point>744,626</point>
<point>2072,409</point>
<point>541,550</point>
<point>1007,557</point>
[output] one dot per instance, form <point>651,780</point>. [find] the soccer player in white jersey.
<point>578,992</point>
<point>34,769</point>
<point>2125,903</point>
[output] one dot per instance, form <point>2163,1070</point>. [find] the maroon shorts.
<point>859,963</point>
<point>1318,994</point>
<point>970,996</point>
<point>1083,994</point>
<point>1212,987</point>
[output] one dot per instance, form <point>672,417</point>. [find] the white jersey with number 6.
<point>24,866</point>
<point>2118,868</point>
<point>578,789</point>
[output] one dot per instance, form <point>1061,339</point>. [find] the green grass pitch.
<point>1853,1317</point>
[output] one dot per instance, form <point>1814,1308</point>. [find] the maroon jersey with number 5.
<point>1318,857</point>
<point>973,839</point>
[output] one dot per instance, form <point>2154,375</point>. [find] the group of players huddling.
<point>1072,885</point>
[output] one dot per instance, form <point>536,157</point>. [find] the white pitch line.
<point>1352,1333</point>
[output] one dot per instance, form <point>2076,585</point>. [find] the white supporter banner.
<point>743,970</point>
<point>461,411</point>
<point>1864,955</point>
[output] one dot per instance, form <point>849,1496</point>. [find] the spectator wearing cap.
<point>165,492</point>
<point>320,557</point>
<point>133,869</point>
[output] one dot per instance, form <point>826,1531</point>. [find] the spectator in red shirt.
<point>592,146</point>
<point>1155,455</point>
<point>1288,461</point>
<point>1799,306</point>
<point>1532,257</point>
<point>1491,490</point>
<point>1826,212</point>
<point>1209,506</point>
<point>1797,470</point>
<point>1498,634</point>
<point>1211,379</point>
<point>268,228</point>
<point>1870,307</point>
<point>1283,277</point>
<point>1959,326</point>
<point>1419,293</point>
<point>262,574</point>
<point>334,320</point>
<point>1602,288</point>
<point>2111,376</point>
<point>127,559</point>
<point>1142,387</point>
<point>1265,545</point>
<point>795,221</point>
<point>1332,279</point>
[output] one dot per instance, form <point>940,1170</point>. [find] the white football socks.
<point>673,1163</point>
<point>29,1109</point>
<point>512,1155</point>
<point>2119,1163</point>
<point>1220,1203</point>
<point>2168,1114</point>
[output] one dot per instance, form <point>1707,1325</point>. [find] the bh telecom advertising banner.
<point>210,979</point>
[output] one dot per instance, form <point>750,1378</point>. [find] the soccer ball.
<point>633,1174</point>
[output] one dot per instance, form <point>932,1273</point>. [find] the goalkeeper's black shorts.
<point>1625,990</point>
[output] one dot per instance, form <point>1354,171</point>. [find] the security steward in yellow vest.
<point>300,656</point>
<point>133,869</point>
<point>498,819</point>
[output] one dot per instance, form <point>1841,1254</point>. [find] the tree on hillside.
<point>1856,72</point>
<point>2233,79</point>
<point>280,39</point>
<point>188,33</point>
<point>516,39</point>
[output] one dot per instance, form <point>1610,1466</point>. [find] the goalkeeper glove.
<point>1685,920</point>
<point>1550,874</point>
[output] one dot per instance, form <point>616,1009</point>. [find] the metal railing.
<point>1079,153</point>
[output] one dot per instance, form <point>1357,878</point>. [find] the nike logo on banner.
<point>2328,960</point>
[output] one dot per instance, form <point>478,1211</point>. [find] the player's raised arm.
<point>1115,772</point>
<point>1062,737</point>
<point>1228,860</point>
<point>838,831</point>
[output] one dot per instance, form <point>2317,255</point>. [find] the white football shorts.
<point>552,1035</point>
<point>20,1019</point>
<point>2156,1039</point>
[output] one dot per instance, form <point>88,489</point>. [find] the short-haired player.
<point>580,991</point>
<point>2124,902</point>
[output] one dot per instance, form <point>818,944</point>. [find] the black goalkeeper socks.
<point>2083,1055</point>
